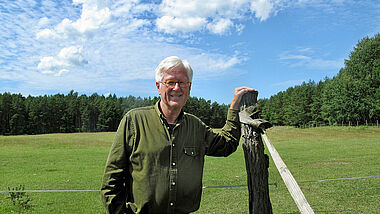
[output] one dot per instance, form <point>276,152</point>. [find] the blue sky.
<point>89,46</point>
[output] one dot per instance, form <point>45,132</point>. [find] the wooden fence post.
<point>256,161</point>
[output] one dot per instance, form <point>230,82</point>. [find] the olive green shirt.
<point>155,168</point>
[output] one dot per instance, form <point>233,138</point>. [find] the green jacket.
<point>155,168</point>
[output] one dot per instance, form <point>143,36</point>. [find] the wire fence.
<point>343,124</point>
<point>204,187</point>
<point>346,210</point>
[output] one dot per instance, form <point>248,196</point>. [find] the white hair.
<point>171,62</point>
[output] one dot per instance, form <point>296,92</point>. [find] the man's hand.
<point>237,96</point>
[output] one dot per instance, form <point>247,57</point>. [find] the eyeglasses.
<point>171,83</point>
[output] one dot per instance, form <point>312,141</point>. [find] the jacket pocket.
<point>191,151</point>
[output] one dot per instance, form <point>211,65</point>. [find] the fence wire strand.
<point>204,187</point>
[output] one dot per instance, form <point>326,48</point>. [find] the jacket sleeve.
<point>225,141</point>
<point>115,188</point>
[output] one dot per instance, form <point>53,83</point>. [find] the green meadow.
<point>76,162</point>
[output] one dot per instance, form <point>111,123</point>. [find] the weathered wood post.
<point>256,161</point>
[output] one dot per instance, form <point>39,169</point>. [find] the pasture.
<point>76,162</point>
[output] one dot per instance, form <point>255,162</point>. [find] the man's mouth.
<point>175,95</point>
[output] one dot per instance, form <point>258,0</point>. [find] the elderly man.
<point>155,164</point>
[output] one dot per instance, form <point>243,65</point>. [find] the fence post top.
<point>248,99</point>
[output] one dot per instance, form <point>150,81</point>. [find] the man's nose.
<point>176,86</point>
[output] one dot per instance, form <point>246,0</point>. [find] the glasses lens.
<point>172,83</point>
<point>182,84</point>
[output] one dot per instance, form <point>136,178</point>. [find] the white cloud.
<point>49,64</point>
<point>43,22</point>
<point>308,58</point>
<point>225,64</point>
<point>61,72</point>
<point>208,65</point>
<point>295,57</point>
<point>92,18</point>
<point>215,15</point>
<point>170,24</point>
<point>72,55</point>
<point>46,34</point>
<point>262,9</point>
<point>130,8</point>
<point>67,57</point>
<point>220,26</point>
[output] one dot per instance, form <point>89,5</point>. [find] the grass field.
<point>76,162</point>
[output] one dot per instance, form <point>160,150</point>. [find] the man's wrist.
<point>233,115</point>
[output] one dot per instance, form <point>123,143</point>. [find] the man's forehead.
<point>177,72</point>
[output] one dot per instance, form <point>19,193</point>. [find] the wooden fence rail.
<point>287,177</point>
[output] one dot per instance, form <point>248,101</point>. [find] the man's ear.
<point>158,87</point>
<point>189,86</point>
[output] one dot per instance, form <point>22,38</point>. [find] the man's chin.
<point>176,104</point>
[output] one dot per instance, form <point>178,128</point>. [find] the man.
<point>155,164</point>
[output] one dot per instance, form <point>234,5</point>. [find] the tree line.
<point>353,95</point>
<point>70,113</point>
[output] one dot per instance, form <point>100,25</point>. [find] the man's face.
<point>176,97</point>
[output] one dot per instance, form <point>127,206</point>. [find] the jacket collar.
<point>162,116</point>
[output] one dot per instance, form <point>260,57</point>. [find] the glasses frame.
<point>166,83</point>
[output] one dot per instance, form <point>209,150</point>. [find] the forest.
<point>96,113</point>
<point>352,96</point>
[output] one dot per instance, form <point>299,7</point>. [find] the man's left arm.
<point>226,141</point>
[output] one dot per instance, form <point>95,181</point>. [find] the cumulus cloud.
<point>262,9</point>
<point>216,16</point>
<point>67,57</point>
<point>92,18</point>
<point>46,34</point>
<point>72,55</point>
